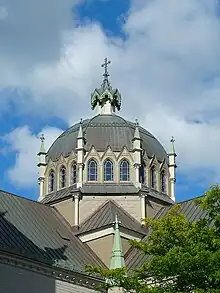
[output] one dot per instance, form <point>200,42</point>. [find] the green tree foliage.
<point>181,256</point>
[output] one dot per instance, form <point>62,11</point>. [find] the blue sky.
<point>163,60</point>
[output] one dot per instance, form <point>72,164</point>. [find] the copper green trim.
<point>117,259</point>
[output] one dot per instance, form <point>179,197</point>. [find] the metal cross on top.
<point>42,138</point>
<point>105,83</point>
<point>172,139</point>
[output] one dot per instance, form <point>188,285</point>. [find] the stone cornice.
<point>57,273</point>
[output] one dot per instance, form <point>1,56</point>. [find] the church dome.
<point>102,131</point>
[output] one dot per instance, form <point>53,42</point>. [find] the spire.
<point>106,84</point>
<point>41,167</point>
<point>117,259</point>
<point>106,99</point>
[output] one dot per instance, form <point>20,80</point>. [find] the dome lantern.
<point>106,99</point>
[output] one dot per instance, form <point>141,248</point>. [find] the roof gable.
<point>105,216</point>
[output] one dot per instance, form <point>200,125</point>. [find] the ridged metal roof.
<point>110,188</point>
<point>102,131</point>
<point>105,216</point>
<point>135,258</point>
<point>36,231</point>
<point>103,189</point>
<point>61,194</point>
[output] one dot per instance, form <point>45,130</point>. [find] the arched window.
<point>51,181</point>
<point>92,170</point>
<point>73,173</point>
<point>163,181</point>
<point>108,170</point>
<point>124,171</point>
<point>62,177</point>
<point>153,180</point>
<point>142,174</point>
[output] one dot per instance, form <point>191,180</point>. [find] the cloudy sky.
<point>165,60</point>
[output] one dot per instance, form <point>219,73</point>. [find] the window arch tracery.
<point>163,181</point>
<point>62,176</point>
<point>51,181</point>
<point>108,170</point>
<point>92,170</point>
<point>124,170</point>
<point>73,173</point>
<point>153,179</point>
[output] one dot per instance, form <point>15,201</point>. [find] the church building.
<point>97,181</point>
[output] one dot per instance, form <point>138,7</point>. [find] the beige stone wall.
<point>129,203</point>
<point>125,244</point>
<point>89,204</point>
<point>66,209</point>
<point>152,208</point>
<point>103,247</point>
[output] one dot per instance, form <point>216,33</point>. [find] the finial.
<point>172,139</point>
<point>42,138</point>
<point>42,148</point>
<point>116,222</point>
<point>172,144</point>
<point>106,83</point>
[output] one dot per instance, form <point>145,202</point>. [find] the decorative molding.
<point>58,273</point>
<point>105,232</point>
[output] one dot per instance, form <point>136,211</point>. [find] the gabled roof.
<point>104,216</point>
<point>135,258</point>
<point>36,231</point>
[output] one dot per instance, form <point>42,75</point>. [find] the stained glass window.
<point>163,181</point>
<point>51,181</point>
<point>108,170</point>
<point>73,173</point>
<point>92,170</point>
<point>142,174</point>
<point>62,177</point>
<point>153,180</point>
<point>124,171</point>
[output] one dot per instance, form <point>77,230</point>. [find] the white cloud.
<point>168,66</point>
<point>26,145</point>
<point>3,12</point>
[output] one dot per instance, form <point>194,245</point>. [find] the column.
<point>76,210</point>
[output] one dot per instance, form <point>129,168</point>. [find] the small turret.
<point>172,169</point>
<point>41,166</point>
<point>80,155</point>
<point>137,154</point>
